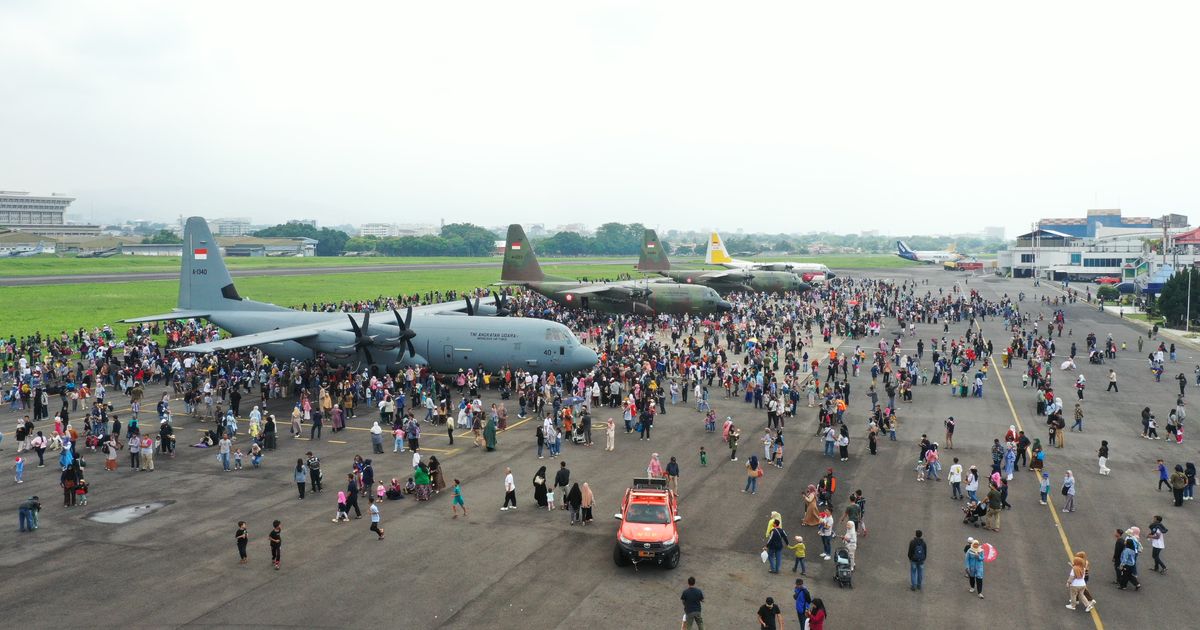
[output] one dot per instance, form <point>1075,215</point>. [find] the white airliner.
<point>930,256</point>
<point>809,272</point>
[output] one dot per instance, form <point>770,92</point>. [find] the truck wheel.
<point>673,559</point>
<point>619,557</point>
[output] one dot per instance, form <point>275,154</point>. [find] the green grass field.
<point>57,307</point>
<point>55,266</point>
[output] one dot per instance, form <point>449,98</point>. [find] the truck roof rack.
<point>649,483</point>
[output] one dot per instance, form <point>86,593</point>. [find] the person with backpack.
<point>917,552</point>
<point>776,541</point>
<point>803,599</point>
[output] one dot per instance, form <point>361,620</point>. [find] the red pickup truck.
<point>647,531</point>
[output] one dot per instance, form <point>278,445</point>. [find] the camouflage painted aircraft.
<point>446,337</point>
<point>630,296</point>
<point>724,281</point>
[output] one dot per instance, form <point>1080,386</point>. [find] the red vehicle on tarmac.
<point>1107,280</point>
<point>647,532</point>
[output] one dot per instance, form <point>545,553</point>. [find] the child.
<point>341,508</point>
<point>237,459</point>
<point>550,499</point>
<point>380,492</point>
<point>1162,476</point>
<point>1045,487</point>
<point>410,486</point>
<point>800,553</point>
<point>81,491</point>
<point>19,469</point>
<point>458,500</point>
<point>1025,380</point>
<point>243,538</point>
<point>703,457</point>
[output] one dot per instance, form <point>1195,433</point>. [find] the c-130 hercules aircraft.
<point>444,336</point>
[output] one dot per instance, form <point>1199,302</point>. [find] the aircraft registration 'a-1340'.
<point>627,296</point>
<point>445,336</point>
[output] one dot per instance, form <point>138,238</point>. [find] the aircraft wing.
<point>291,333</point>
<point>167,317</point>
<point>599,288</point>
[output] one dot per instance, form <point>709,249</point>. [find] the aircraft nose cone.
<point>583,358</point>
<point>724,305</point>
<point>830,275</point>
<point>803,286</point>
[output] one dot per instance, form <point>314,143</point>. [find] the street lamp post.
<point>1187,323</point>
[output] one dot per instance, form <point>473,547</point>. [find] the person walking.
<point>243,538</point>
<point>973,563</point>
<point>300,476</point>
<point>1102,456</point>
<point>825,531</point>
<point>458,502</point>
<point>955,479</point>
<point>803,598</point>
<point>693,601</point>
<point>1128,566</point>
<point>510,491</point>
<point>1077,585</point>
<point>1112,381</point>
<point>314,471</point>
<point>276,540</point>
<point>610,434</point>
<point>1068,490</point>
<point>352,496</point>
<point>1158,542</point>
<point>769,615</point>
<point>917,552</point>
<point>373,508</point>
<point>776,541</point>
<point>1178,482</point>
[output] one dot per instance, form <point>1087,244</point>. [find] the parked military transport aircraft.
<point>444,336</point>
<point>809,272</point>
<point>629,296</point>
<point>654,260</point>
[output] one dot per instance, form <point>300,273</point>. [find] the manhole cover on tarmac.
<point>121,515</point>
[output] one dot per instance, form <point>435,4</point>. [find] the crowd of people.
<point>764,354</point>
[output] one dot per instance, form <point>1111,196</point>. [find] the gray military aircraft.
<point>629,296</point>
<point>724,281</point>
<point>444,336</point>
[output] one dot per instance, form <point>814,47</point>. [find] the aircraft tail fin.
<point>204,281</point>
<point>953,247</point>
<point>520,263</point>
<point>716,254</point>
<point>653,257</point>
<point>902,247</point>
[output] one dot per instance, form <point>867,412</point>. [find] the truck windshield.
<point>642,513</point>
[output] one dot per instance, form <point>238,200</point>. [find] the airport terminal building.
<point>42,215</point>
<point>1104,244</point>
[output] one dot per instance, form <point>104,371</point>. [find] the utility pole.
<point>1187,323</point>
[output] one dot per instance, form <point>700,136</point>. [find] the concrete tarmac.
<point>529,568</point>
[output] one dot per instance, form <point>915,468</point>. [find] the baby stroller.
<point>843,574</point>
<point>1095,358</point>
<point>974,512</point>
<point>577,433</point>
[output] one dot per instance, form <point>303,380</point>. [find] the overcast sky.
<point>905,117</point>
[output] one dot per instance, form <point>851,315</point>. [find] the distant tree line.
<point>456,239</point>
<point>330,242</point>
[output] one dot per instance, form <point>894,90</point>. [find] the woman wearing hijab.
<point>437,479</point>
<point>811,518</point>
<point>376,437</point>
<point>1037,458</point>
<point>973,563</point>
<point>539,487</point>
<point>752,474</point>
<point>1069,492</point>
<point>588,501</point>
<point>654,469</point>
<point>574,501</point>
<point>771,522</point>
<point>421,478</point>
<point>489,434</point>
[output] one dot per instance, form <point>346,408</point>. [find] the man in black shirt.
<point>276,543</point>
<point>562,481</point>
<point>769,616</point>
<point>692,599</point>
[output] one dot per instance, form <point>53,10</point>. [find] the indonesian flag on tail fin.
<point>200,253</point>
<point>515,245</point>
